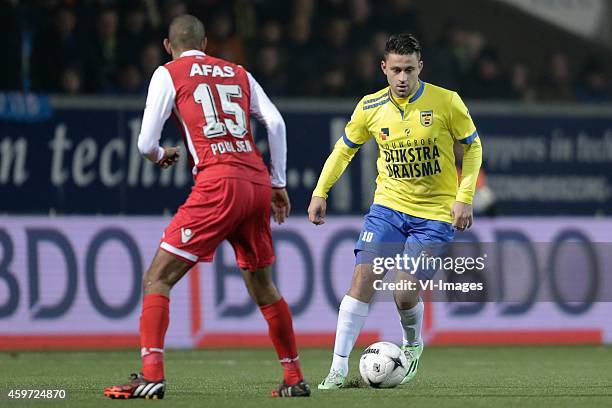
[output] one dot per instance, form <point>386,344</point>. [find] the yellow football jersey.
<point>415,137</point>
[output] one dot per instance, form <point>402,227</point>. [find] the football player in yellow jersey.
<point>419,201</point>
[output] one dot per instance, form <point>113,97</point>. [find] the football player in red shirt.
<point>212,101</point>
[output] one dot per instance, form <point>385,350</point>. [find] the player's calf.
<point>362,283</point>
<point>280,327</point>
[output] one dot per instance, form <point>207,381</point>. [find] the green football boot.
<point>334,380</point>
<point>413,354</point>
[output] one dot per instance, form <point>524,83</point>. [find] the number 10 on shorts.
<point>367,236</point>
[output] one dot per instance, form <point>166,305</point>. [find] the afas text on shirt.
<point>225,71</point>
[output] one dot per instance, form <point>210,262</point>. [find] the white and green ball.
<point>383,365</point>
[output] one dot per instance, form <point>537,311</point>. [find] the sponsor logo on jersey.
<point>384,133</point>
<point>212,70</point>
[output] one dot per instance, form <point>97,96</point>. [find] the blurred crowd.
<point>328,48</point>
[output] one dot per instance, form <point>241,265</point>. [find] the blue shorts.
<point>388,233</point>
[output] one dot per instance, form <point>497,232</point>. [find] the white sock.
<point>412,322</point>
<point>351,318</point>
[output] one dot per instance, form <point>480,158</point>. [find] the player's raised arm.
<point>160,101</point>
<point>266,112</point>
<point>464,131</point>
<point>355,135</point>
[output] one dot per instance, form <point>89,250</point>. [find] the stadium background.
<point>82,213</point>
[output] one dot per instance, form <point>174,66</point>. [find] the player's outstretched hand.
<point>462,216</point>
<point>281,206</point>
<point>171,156</point>
<point>316,210</point>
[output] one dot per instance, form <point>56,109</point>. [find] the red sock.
<point>280,329</point>
<point>154,322</point>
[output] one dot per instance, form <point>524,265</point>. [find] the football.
<point>383,365</point>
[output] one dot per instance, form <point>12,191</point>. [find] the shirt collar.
<point>411,99</point>
<point>192,53</point>
<point>416,95</point>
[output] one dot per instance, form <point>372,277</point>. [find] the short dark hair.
<point>187,32</point>
<point>403,44</point>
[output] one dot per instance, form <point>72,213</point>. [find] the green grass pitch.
<point>448,377</point>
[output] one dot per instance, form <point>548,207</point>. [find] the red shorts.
<point>231,208</point>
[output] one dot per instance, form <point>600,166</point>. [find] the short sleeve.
<point>356,132</point>
<point>460,124</point>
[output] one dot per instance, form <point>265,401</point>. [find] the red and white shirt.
<point>212,101</point>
